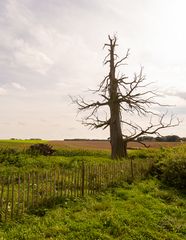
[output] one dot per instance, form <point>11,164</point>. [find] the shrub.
<point>10,155</point>
<point>41,149</point>
<point>172,172</point>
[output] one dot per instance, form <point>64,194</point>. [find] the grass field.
<point>91,145</point>
<point>146,209</point>
<point>140,211</point>
<point>18,144</point>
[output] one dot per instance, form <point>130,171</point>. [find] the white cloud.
<point>54,48</point>
<point>3,91</point>
<point>176,93</point>
<point>18,86</point>
<point>33,59</point>
<point>19,31</point>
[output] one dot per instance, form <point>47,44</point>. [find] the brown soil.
<point>105,145</point>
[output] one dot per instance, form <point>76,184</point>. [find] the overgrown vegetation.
<point>148,209</point>
<point>36,158</point>
<point>140,211</point>
<point>170,163</point>
<point>172,172</point>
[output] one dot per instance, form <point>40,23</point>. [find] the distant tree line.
<point>168,138</point>
<point>83,139</point>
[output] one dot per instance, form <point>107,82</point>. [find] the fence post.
<point>1,197</point>
<point>12,197</point>
<point>83,179</point>
<point>19,194</point>
<point>132,170</point>
<point>7,198</point>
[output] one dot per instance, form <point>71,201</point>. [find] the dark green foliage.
<point>41,149</point>
<point>40,212</point>
<point>172,172</point>
<point>169,138</point>
<point>9,156</point>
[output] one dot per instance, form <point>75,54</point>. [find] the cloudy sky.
<point>54,48</point>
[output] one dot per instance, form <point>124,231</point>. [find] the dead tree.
<point>123,97</point>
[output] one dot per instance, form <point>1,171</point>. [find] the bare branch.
<point>144,144</point>
<point>152,128</point>
<point>118,63</point>
<point>121,94</point>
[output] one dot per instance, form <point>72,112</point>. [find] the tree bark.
<point>118,146</point>
<point>118,150</point>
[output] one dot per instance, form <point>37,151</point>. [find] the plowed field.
<point>105,145</point>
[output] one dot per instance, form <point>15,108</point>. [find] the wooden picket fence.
<point>19,193</point>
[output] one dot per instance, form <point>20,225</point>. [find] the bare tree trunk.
<point>122,95</point>
<point>118,146</point>
<point>117,143</point>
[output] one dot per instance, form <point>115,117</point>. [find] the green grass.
<point>20,161</point>
<point>18,144</point>
<point>143,211</point>
<point>159,153</point>
<point>140,211</point>
<point>30,141</point>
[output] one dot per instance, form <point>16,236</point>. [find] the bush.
<point>40,149</point>
<point>172,172</point>
<point>10,155</point>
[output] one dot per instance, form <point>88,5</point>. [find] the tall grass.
<point>18,144</point>
<point>139,211</point>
